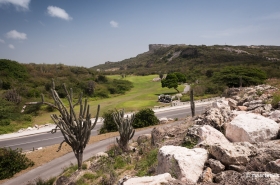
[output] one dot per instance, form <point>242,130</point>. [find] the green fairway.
<point>144,94</point>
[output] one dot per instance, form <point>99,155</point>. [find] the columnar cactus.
<point>192,103</point>
<point>76,129</point>
<point>125,129</point>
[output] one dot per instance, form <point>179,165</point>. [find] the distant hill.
<point>164,58</point>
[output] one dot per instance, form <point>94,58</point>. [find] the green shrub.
<point>185,97</point>
<point>26,117</point>
<point>49,108</point>
<point>103,93</point>
<point>81,181</point>
<point>275,100</point>
<point>144,118</point>
<point>119,162</point>
<point>33,93</point>
<point>13,69</point>
<point>12,161</point>
<point>108,123</point>
<point>5,122</point>
<point>33,109</point>
<point>146,162</point>
<point>90,176</point>
<point>70,170</point>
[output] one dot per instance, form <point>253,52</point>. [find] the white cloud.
<point>19,4</point>
<point>114,24</point>
<point>11,46</point>
<point>13,34</point>
<point>54,11</point>
<point>2,41</point>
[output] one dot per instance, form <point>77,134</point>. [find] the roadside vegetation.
<point>108,170</point>
<point>12,162</point>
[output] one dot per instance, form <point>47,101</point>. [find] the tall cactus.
<point>192,103</point>
<point>125,128</point>
<point>76,129</point>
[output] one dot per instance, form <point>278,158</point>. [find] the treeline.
<point>20,83</point>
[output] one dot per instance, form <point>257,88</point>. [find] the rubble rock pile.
<point>236,141</point>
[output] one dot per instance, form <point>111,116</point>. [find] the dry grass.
<point>275,82</point>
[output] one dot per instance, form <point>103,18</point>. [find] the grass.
<point>69,171</point>
<point>146,162</point>
<point>144,94</point>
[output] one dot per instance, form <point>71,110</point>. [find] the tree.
<point>76,129</point>
<point>172,80</point>
<point>125,129</point>
<point>90,88</point>
<point>181,77</point>
<point>231,75</point>
<point>161,75</point>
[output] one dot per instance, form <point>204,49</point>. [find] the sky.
<point>90,32</point>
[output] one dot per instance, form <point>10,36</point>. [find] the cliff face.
<point>153,47</point>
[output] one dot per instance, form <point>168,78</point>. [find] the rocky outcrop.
<point>266,152</point>
<point>151,180</point>
<point>232,154</point>
<point>253,98</point>
<point>275,116</point>
<point>185,164</point>
<point>248,178</point>
<point>203,136</point>
<point>251,128</point>
<point>215,165</point>
<point>169,135</point>
<point>216,117</point>
<point>273,166</point>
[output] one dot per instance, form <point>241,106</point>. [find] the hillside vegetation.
<point>210,69</point>
<point>21,83</point>
<point>197,61</point>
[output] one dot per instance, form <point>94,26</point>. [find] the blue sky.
<point>91,32</point>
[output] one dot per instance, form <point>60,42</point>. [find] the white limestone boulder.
<point>186,164</point>
<point>151,180</point>
<point>251,128</point>
<point>101,154</point>
<point>275,115</point>
<point>232,154</point>
<point>163,120</point>
<point>232,103</point>
<point>209,136</point>
<point>221,104</point>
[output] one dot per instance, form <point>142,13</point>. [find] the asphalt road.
<point>55,167</point>
<point>181,112</point>
<point>31,142</point>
